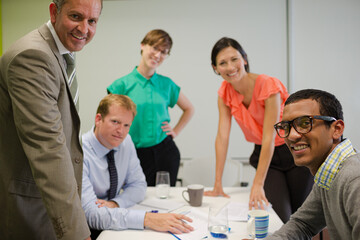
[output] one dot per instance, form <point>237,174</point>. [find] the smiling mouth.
<point>232,74</point>
<point>300,147</point>
<point>78,37</point>
<point>154,60</point>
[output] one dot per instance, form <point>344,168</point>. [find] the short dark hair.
<point>228,42</point>
<point>60,3</point>
<point>329,105</point>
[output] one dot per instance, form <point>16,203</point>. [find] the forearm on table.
<point>105,218</point>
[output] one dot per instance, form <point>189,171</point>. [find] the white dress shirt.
<point>96,184</point>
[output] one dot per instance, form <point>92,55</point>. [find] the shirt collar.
<point>99,149</point>
<point>327,172</point>
<point>60,46</point>
<point>144,80</point>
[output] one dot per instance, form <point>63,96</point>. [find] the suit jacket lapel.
<point>46,34</point>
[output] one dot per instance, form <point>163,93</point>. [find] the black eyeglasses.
<point>301,124</point>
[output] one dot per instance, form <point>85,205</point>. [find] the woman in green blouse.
<point>153,94</point>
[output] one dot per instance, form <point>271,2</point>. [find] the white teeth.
<point>232,74</point>
<point>78,37</point>
<point>300,147</point>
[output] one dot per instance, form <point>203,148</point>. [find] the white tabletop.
<point>238,229</point>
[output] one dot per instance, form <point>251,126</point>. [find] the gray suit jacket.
<point>40,153</point>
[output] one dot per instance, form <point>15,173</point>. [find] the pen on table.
<point>154,211</point>
<point>174,235</point>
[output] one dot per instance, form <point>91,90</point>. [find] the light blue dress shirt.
<point>96,184</point>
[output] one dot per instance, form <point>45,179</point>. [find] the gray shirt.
<point>337,208</point>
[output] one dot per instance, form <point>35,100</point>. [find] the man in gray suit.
<point>40,152</point>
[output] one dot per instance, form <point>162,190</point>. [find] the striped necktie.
<point>72,82</point>
<point>113,175</point>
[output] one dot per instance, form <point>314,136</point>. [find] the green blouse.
<point>152,97</point>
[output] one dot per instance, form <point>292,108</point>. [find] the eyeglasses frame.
<point>163,53</point>
<point>311,117</point>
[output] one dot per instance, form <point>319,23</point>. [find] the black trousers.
<point>286,185</point>
<point>164,156</point>
<point>94,233</point>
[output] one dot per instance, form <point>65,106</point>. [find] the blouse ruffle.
<point>251,119</point>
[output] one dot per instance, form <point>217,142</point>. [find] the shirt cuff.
<point>135,219</point>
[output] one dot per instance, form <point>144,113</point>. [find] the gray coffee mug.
<point>195,192</point>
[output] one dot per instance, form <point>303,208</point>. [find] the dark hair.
<point>158,37</point>
<point>329,105</point>
<point>228,42</point>
<point>60,3</point>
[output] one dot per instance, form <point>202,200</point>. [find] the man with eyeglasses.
<point>313,126</point>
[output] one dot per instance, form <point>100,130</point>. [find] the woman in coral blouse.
<point>256,102</point>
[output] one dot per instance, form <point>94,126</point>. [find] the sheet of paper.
<point>237,211</point>
<point>162,205</point>
<point>147,208</point>
<point>200,222</point>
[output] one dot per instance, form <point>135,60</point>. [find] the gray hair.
<point>60,3</point>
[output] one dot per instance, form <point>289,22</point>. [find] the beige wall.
<point>0,29</point>
<point>20,17</point>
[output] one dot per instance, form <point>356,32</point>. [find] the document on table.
<point>161,205</point>
<point>237,211</point>
<point>199,223</point>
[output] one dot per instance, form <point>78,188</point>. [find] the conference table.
<point>238,228</point>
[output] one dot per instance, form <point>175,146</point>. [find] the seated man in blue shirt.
<point>313,127</point>
<point>109,190</point>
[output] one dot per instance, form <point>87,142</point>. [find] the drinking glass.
<point>162,184</point>
<point>218,222</point>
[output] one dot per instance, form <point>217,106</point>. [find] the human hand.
<point>217,191</point>
<point>104,203</point>
<point>171,222</point>
<point>168,129</point>
<point>257,197</point>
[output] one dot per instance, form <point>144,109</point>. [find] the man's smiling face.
<point>76,22</point>
<point>310,149</point>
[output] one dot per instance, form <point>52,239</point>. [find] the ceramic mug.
<point>195,192</point>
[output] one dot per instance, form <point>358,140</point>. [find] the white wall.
<point>194,26</point>
<point>324,52</point>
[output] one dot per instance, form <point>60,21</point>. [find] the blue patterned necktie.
<point>113,175</point>
<point>72,82</point>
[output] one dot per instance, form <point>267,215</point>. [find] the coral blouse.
<point>251,119</point>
